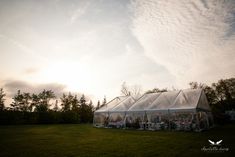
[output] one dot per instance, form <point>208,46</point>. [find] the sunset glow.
<point>92,47</point>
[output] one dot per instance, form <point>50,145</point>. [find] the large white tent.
<point>175,110</point>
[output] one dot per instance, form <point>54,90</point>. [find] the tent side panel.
<point>203,103</point>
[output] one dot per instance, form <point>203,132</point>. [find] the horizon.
<point>92,47</point>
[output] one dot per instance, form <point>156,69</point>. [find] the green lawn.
<point>84,140</point>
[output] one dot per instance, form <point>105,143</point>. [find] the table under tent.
<point>174,110</point>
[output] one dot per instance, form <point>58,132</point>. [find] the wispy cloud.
<point>93,46</point>
<point>79,11</point>
<point>12,86</point>
<point>194,40</point>
<point>22,47</point>
<point>30,71</point>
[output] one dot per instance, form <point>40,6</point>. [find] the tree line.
<point>28,108</point>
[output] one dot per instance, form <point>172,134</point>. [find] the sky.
<point>93,46</point>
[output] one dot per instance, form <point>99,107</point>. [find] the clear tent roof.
<point>164,101</point>
<point>111,104</point>
<point>124,105</point>
<point>191,98</point>
<point>144,102</point>
<point>187,99</point>
<point>173,100</point>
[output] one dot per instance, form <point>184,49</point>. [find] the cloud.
<point>25,49</point>
<point>30,71</point>
<point>153,43</point>
<point>194,40</point>
<point>79,11</point>
<point>12,86</point>
<point>18,44</point>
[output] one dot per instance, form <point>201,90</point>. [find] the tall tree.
<point>196,85</point>
<point>210,94</point>
<point>225,92</point>
<point>156,90</point>
<point>209,91</point>
<point>44,100</point>
<point>35,101</point>
<point>134,90</point>
<point>83,100</point>
<point>56,107</point>
<point>17,101</point>
<point>21,102</point>
<point>85,110</point>
<point>98,105</point>
<point>66,102</point>
<point>69,102</point>
<point>90,111</point>
<point>75,103</point>
<point>225,89</point>
<point>90,105</point>
<point>26,104</point>
<point>220,95</point>
<point>82,109</point>
<point>2,95</point>
<point>103,102</point>
<point>125,89</point>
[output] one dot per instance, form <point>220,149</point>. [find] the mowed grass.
<point>85,140</point>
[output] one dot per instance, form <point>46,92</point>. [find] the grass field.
<point>84,140</point>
